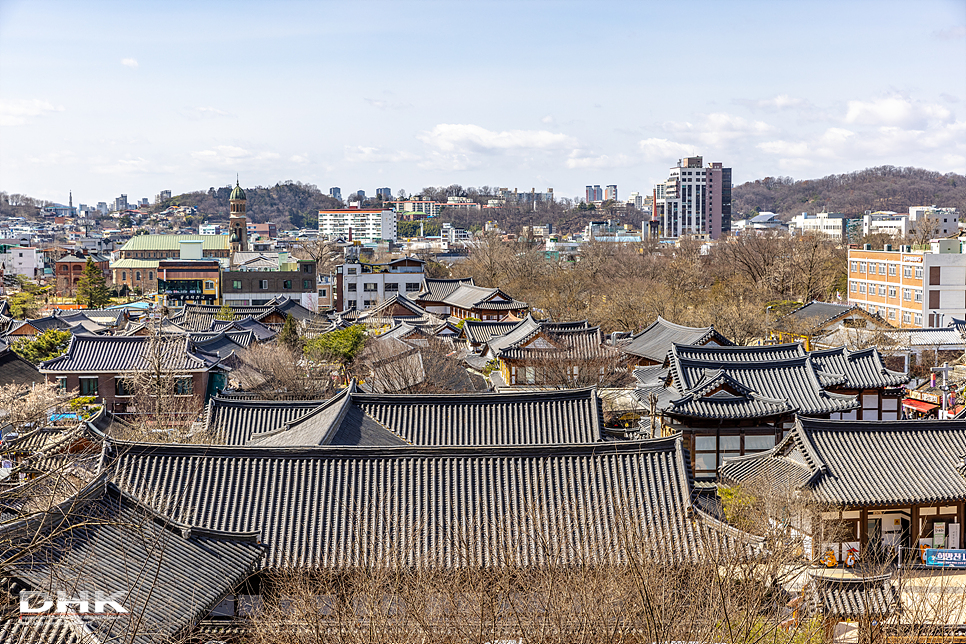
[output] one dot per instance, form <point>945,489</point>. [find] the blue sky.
<point>104,98</point>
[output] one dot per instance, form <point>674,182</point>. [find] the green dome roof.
<point>237,193</point>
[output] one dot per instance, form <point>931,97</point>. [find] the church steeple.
<point>237,219</point>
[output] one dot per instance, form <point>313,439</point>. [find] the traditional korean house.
<point>103,366</point>
<point>461,299</point>
<point>650,346</point>
<point>476,333</point>
<point>102,542</point>
<point>888,484</point>
<point>202,317</point>
<point>812,323</point>
<point>728,401</point>
<point>14,370</point>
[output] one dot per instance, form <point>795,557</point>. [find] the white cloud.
<point>548,119</point>
<point>719,128</point>
<point>387,105</point>
<point>658,149</point>
<point>19,111</point>
<point>456,137</point>
<point>896,111</point>
<point>129,62</point>
<point>781,102</point>
<point>580,159</point>
<point>123,166</point>
<point>299,158</point>
<point>228,154</point>
<point>364,154</point>
<point>197,113</point>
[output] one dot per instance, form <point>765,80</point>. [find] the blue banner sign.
<point>944,558</point>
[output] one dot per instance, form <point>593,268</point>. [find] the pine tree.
<point>92,288</point>
<point>289,335</point>
<point>225,313</point>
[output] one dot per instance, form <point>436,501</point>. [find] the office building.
<point>359,224</point>
<point>610,192</point>
<point>363,286</point>
<point>695,200</point>
<point>120,203</point>
<point>910,289</point>
<point>385,193</point>
<point>335,193</point>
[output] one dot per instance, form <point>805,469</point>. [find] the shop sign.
<point>944,558</point>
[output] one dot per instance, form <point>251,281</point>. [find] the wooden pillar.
<point>914,531</point>
<point>863,534</point>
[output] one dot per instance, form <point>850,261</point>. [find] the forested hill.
<point>288,201</point>
<point>883,188</point>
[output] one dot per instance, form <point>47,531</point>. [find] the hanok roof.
<point>102,540</point>
<point>173,242</point>
<point>862,369</point>
<point>341,508</point>
<point>851,598</point>
<point>866,463</point>
<point>469,297</point>
<point>14,370</point>
<point>400,307</point>
<point>481,332</point>
<point>125,354</point>
<point>235,420</point>
<point>721,396</point>
<point>436,290</point>
<point>763,370</point>
<point>261,332</point>
<point>222,344</point>
<point>201,317</point>
<point>655,341</point>
<point>815,316</point>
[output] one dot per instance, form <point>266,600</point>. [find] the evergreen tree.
<point>92,288</point>
<point>45,346</point>
<point>289,335</point>
<point>226,313</point>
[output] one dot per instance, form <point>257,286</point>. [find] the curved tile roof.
<point>655,341</point>
<point>436,508</point>
<point>862,369</point>
<point>236,420</point>
<point>124,354</point>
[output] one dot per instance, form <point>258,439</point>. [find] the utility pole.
<point>944,370</point>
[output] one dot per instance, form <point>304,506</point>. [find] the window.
<point>123,387</point>
<point>137,276</point>
<point>892,291</point>
<point>263,284</point>
<point>854,267</point>
<point>62,383</point>
<point>907,271</point>
<point>352,287</point>
<point>917,295</point>
<point>123,275</point>
<point>368,303</point>
<point>934,275</point>
<point>882,289</point>
<point>906,317</point>
<point>308,268</point>
<point>392,287</point>
<point>862,287</point>
<point>306,284</point>
<point>882,269</point>
<point>350,304</point>
<point>861,267</point>
<point>907,295</point>
<point>705,455</point>
<point>853,287</point>
<point>88,386</point>
<point>370,287</point>
<point>934,299</point>
<point>412,287</point>
<point>236,284</point>
<point>184,386</point>
<point>892,314</point>
<point>351,271</point>
<point>892,269</point>
<point>287,284</point>
<point>919,319</point>
<point>322,292</point>
<point>918,272</point>
<point>150,275</point>
<point>530,375</point>
<point>209,285</point>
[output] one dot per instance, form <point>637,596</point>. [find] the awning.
<point>919,405</point>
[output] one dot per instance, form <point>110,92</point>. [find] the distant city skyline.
<point>103,98</point>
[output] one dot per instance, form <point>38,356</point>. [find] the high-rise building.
<point>610,193</point>
<point>594,193</point>
<point>695,200</point>
<point>335,193</point>
<point>359,224</point>
<point>385,193</point>
<point>120,203</point>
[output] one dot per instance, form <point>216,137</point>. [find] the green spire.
<point>237,192</point>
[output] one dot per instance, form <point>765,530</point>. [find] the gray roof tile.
<point>124,353</point>
<point>655,341</point>
<point>862,369</point>
<point>235,420</point>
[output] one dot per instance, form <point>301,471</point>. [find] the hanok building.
<point>729,401</point>
<point>461,299</point>
<point>890,484</point>
<point>105,366</point>
<point>650,346</point>
<point>199,317</point>
<point>814,322</point>
<point>554,354</point>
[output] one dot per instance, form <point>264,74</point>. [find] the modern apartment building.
<point>364,286</point>
<point>610,192</point>
<point>910,289</point>
<point>426,207</point>
<point>363,224</point>
<point>833,225</point>
<point>594,193</point>
<point>695,200</point>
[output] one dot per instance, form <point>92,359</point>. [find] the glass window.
<point>122,387</point>
<point>322,292</point>
<point>209,285</point>
<point>705,443</point>
<point>730,443</point>
<point>306,284</point>
<point>370,287</point>
<point>882,269</point>
<point>392,287</point>
<point>263,284</point>
<point>236,284</point>
<point>287,284</point>
<point>892,269</point>
<point>892,314</point>
<point>184,386</point>
<point>352,288</point>
<point>150,275</point>
<point>351,304</point>
<point>861,267</point>
<point>758,443</point>
<point>918,272</point>
<point>853,286</point>
<point>706,462</point>
<point>351,271</point>
<point>123,275</point>
<point>88,386</point>
<point>412,287</point>
<point>137,276</point>
<point>62,383</point>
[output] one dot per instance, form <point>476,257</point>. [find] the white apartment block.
<point>362,224</point>
<point>942,221</point>
<point>910,289</point>
<point>829,224</point>
<point>364,286</point>
<point>695,200</point>
<point>450,234</point>
<point>889,223</point>
<point>21,260</point>
<point>425,206</point>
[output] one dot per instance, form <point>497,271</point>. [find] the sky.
<point>127,97</point>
